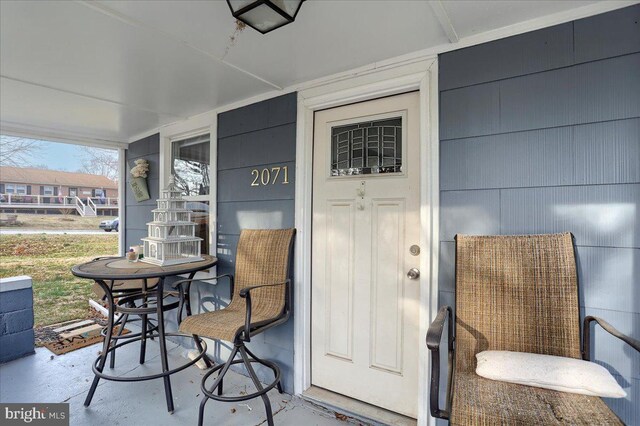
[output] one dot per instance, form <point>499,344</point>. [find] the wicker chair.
<point>514,293</point>
<point>261,299</point>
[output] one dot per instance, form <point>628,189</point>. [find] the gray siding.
<point>138,214</point>
<point>257,136</point>
<point>541,133</point>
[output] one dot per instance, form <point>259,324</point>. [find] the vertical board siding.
<point>549,100</point>
<point>523,54</point>
<point>611,352</point>
<point>256,137</point>
<point>469,212</point>
<point>540,133</point>
<point>609,277</point>
<point>139,213</point>
<point>607,35</point>
<point>607,152</point>
<point>533,158</point>
<point>569,155</point>
<point>598,215</point>
<point>470,111</point>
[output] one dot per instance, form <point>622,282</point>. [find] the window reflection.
<point>191,165</point>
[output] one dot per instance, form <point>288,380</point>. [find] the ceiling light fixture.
<point>265,15</point>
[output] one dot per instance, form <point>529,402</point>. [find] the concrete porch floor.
<point>45,377</point>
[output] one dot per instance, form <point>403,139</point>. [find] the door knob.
<point>413,274</point>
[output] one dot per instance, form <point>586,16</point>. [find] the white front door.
<point>366,231</point>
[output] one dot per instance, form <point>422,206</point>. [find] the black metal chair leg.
<point>143,340</point>
<point>206,359</point>
<point>275,373</point>
<point>123,321</point>
<point>163,348</point>
<point>105,345</point>
<point>216,384</point>
<point>204,401</point>
<point>256,382</point>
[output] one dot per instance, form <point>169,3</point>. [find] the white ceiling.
<point>115,69</point>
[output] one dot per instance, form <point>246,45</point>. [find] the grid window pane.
<point>369,147</point>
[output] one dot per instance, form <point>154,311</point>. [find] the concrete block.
<point>16,300</point>
<point>16,345</point>
<point>15,283</point>
<point>16,321</point>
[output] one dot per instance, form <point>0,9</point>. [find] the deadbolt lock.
<point>414,250</point>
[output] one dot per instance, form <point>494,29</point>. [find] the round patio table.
<point>107,270</point>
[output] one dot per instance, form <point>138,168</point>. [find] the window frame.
<point>45,191</point>
<point>15,188</point>
<point>193,127</point>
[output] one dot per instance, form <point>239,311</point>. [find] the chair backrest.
<point>516,293</point>
<point>263,258</point>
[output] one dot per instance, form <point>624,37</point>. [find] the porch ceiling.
<point>113,70</point>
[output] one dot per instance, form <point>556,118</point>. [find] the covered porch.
<point>377,132</point>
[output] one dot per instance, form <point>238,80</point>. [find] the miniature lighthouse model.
<point>171,237</point>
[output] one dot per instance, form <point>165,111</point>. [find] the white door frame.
<point>421,76</point>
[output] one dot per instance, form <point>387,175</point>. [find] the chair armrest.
<point>434,337</point>
<point>245,293</point>
<point>586,335</point>
<point>189,280</point>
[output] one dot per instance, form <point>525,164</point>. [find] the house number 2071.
<point>270,176</point>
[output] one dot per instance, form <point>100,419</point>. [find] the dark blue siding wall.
<point>540,133</point>
<point>138,214</point>
<point>257,136</point>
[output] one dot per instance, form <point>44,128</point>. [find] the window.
<point>99,192</point>
<point>369,147</point>
<point>16,189</point>
<point>200,215</point>
<point>47,190</point>
<point>190,166</point>
<point>73,192</point>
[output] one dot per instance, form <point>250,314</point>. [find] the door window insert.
<point>367,147</point>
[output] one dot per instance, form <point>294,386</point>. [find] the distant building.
<point>30,190</point>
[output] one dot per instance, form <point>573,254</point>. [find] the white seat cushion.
<point>549,372</point>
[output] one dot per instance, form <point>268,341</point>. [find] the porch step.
<point>350,409</point>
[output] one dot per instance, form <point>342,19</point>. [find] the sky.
<point>58,156</point>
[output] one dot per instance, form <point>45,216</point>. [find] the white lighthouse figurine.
<point>171,239</point>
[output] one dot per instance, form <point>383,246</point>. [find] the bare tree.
<point>16,151</point>
<point>99,161</point>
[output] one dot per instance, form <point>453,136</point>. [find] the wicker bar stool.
<point>261,299</point>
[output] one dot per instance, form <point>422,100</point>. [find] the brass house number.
<point>270,176</point>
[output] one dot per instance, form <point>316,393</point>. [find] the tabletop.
<point>118,268</point>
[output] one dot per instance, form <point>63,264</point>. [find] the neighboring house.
<point>31,190</point>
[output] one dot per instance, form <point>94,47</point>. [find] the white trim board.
<point>46,134</point>
<point>123,171</point>
<point>421,76</point>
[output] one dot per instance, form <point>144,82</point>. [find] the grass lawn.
<point>58,221</point>
<point>58,295</point>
